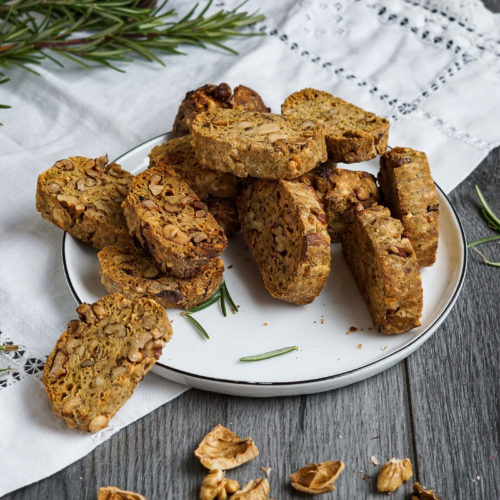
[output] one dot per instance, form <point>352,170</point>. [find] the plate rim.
<point>393,356</point>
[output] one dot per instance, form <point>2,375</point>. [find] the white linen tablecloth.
<point>431,67</point>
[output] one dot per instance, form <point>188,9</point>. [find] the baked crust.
<point>131,271</point>
<point>179,154</point>
<point>101,358</point>
<point>385,268</point>
<point>257,144</point>
<point>285,226</point>
<point>83,196</point>
<point>339,190</point>
<point>210,97</point>
<point>409,191</point>
<point>352,134</point>
<point>167,218</point>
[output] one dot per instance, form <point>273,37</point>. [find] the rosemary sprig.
<point>270,354</point>
<point>493,221</point>
<point>220,295</point>
<point>5,369</point>
<point>196,324</point>
<point>107,32</point>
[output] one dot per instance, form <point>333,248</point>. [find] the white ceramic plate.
<point>327,358</point>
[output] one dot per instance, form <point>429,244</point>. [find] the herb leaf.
<point>212,300</point>
<point>196,324</point>
<point>270,354</point>
<point>223,301</point>
<point>234,307</point>
<point>483,240</point>
<point>488,212</point>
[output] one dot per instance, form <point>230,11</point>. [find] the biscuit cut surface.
<point>225,211</point>
<point>210,97</point>
<point>167,218</point>
<point>83,196</point>
<point>352,134</point>
<point>179,155</point>
<point>115,493</point>
<point>340,189</point>
<point>285,226</point>
<point>385,268</point>
<point>101,357</point>
<point>406,182</point>
<point>131,271</point>
<point>257,144</point>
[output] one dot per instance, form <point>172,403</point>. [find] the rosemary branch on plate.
<point>220,295</point>
<point>270,354</point>
<point>107,32</point>
<point>493,222</point>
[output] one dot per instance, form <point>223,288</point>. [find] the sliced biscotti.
<point>167,218</point>
<point>285,226</point>
<point>352,134</point>
<point>225,212</point>
<point>83,196</point>
<point>131,271</point>
<point>339,190</point>
<point>101,357</point>
<point>409,191</point>
<point>178,154</point>
<point>257,144</point>
<point>210,97</point>
<point>385,268</point>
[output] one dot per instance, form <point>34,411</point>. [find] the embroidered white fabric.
<point>431,67</point>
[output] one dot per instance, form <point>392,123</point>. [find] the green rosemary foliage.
<point>107,32</point>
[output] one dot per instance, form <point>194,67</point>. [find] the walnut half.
<point>216,486</point>
<point>393,474</point>
<point>422,493</point>
<point>223,449</point>
<point>317,478</point>
<point>258,489</point>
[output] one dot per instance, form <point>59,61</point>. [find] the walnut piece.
<point>258,489</point>
<point>393,474</point>
<point>422,493</point>
<point>114,493</point>
<point>223,449</point>
<point>317,478</point>
<point>216,486</point>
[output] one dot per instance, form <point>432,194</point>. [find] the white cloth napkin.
<point>431,67</point>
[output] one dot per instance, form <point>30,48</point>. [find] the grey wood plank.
<point>454,376</point>
<point>155,455</point>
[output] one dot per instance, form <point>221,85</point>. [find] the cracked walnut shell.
<point>422,493</point>
<point>223,449</point>
<point>393,474</point>
<point>216,487</point>
<point>114,493</point>
<point>258,489</point>
<point>317,478</point>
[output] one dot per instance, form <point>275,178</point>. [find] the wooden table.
<point>438,407</point>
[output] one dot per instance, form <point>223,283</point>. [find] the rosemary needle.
<point>212,300</point>
<point>234,307</point>
<point>488,213</point>
<point>270,354</point>
<point>196,324</point>
<point>483,240</point>
<point>9,347</point>
<point>223,301</point>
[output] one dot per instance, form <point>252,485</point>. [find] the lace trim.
<point>22,364</point>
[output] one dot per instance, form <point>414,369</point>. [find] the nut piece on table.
<point>422,493</point>
<point>223,449</point>
<point>317,478</point>
<point>216,486</point>
<point>393,474</point>
<point>258,489</point>
<point>114,493</point>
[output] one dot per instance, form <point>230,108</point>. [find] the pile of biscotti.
<point>230,164</point>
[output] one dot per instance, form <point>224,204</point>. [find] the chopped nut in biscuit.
<point>393,474</point>
<point>223,449</point>
<point>317,478</point>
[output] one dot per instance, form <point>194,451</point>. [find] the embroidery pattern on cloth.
<point>20,363</point>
